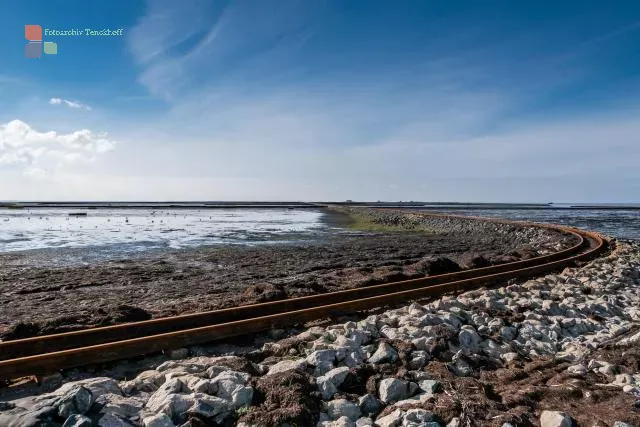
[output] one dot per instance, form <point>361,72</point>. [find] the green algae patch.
<point>383,221</point>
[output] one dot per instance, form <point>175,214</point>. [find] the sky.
<point>479,101</point>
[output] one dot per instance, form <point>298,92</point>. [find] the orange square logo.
<point>33,32</point>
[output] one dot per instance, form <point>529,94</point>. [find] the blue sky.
<point>323,100</point>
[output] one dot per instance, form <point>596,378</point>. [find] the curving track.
<point>46,354</point>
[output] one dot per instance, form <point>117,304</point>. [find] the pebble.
<point>555,419</point>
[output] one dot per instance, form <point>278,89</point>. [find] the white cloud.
<point>39,152</point>
<point>70,104</point>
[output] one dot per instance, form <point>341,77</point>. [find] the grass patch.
<point>363,222</point>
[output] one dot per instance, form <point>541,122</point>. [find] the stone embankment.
<point>544,240</point>
<point>557,351</point>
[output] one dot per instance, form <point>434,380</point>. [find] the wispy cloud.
<point>173,43</point>
<point>70,104</point>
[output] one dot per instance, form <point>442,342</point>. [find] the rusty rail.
<point>41,355</point>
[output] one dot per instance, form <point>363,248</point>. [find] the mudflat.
<point>37,299</point>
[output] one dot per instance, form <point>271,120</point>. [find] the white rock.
<point>287,365</point>
<point>421,343</point>
<point>340,422</point>
<point>429,386</point>
<point>329,383</point>
<point>78,400</point>
<point>110,420</point>
<point>555,419</point>
<point>346,343</point>
<point>393,389</point>
<point>393,419</point>
<point>384,354</point>
<point>203,385</point>
<point>121,406</point>
<point>322,368</point>
<point>469,338</point>
<point>607,369</point>
<point>343,408</point>
<point>623,379</point>
<point>174,405</point>
<point>231,385</point>
<point>242,396</point>
<point>359,337</point>
<point>97,386</point>
<point>455,422</point>
<point>157,399</point>
<point>510,356</point>
<point>364,422</point>
<point>418,359</point>
<point>322,356</point>
<point>158,420</point>
<point>211,407</point>
<point>577,369</point>
<point>214,371</point>
<point>147,381</point>
<point>416,418</point>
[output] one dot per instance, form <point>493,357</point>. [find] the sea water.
<point>113,231</point>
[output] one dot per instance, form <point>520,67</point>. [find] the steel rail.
<point>128,340</point>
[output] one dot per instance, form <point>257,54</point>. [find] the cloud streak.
<point>70,104</point>
<point>172,45</point>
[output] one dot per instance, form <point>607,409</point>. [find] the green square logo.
<point>50,48</point>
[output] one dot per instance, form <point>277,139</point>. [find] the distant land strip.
<point>300,205</point>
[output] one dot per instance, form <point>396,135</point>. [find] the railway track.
<point>46,354</point>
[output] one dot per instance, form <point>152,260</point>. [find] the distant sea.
<point>109,233</point>
<point>616,222</point>
<point>64,235</point>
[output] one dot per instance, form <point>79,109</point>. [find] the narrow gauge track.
<point>46,354</point>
